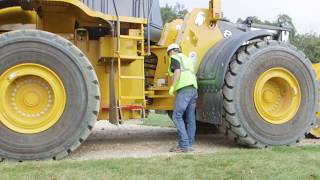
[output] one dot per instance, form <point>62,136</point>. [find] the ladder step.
<point>132,97</point>
<point>131,107</point>
<point>160,96</point>
<point>132,57</point>
<point>159,88</point>
<point>131,37</point>
<point>132,77</point>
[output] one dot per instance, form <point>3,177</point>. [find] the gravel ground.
<point>135,141</point>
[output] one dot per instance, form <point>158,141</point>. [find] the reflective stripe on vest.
<point>187,76</point>
<point>182,65</point>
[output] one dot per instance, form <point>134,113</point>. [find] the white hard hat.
<point>173,46</point>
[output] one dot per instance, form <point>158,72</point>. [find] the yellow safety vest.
<point>187,76</point>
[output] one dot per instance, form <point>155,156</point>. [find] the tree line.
<point>309,43</point>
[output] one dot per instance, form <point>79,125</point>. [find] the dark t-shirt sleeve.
<point>174,65</point>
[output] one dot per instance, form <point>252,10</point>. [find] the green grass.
<point>276,163</point>
<point>158,120</point>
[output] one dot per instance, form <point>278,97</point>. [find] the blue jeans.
<point>185,104</point>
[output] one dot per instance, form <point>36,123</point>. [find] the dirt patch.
<point>133,140</point>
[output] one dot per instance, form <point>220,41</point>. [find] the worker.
<point>184,83</point>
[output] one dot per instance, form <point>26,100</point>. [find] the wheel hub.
<point>35,94</point>
<point>269,96</point>
<point>277,96</point>
<point>34,98</point>
<point>31,99</point>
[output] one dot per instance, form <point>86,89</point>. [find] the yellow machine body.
<point>127,75</point>
<point>192,34</point>
<point>59,17</point>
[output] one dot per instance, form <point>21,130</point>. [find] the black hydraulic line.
<point>113,113</point>
<point>143,8</point>
<point>136,8</point>
<point>102,6</point>
<point>149,17</point>
<point>107,10</point>
<point>139,8</point>
<point>133,8</point>
<point>118,26</point>
<point>113,110</point>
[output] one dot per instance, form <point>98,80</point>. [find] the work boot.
<point>191,149</point>
<point>178,149</point>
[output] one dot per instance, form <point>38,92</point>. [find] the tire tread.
<point>231,125</point>
<point>89,72</point>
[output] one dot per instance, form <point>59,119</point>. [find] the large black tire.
<point>82,90</point>
<point>241,121</point>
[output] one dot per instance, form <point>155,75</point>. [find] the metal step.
<point>124,57</point>
<point>132,97</point>
<point>160,96</point>
<point>132,77</point>
<point>131,37</point>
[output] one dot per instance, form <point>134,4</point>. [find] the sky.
<point>305,14</point>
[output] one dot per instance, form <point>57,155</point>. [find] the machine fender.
<point>215,63</point>
<point>212,72</point>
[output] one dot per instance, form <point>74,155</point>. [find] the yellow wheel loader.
<point>64,64</point>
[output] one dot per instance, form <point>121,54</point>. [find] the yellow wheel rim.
<point>33,98</point>
<point>277,96</point>
<point>316,131</point>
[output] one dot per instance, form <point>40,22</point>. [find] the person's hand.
<point>171,91</point>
